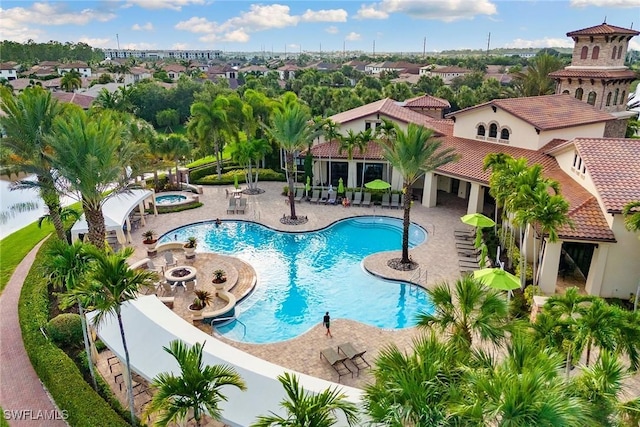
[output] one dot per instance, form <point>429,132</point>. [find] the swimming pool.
<point>170,199</point>
<point>302,275</point>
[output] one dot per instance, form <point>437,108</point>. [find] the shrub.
<point>529,292</point>
<point>55,369</point>
<point>66,330</point>
<point>518,306</point>
<point>228,177</point>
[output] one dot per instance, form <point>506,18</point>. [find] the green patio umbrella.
<point>340,186</point>
<point>497,278</point>
<point>377,184</point>
<point>479,221</point>
<point>235,181</point>
<point>307,186</point>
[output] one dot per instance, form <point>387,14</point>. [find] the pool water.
<point>302,275</point>
<point>169,199</point>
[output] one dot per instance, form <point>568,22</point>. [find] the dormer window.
<point>579,93</point>
<point>504,134</point>
<point>592,98</point>
<point>493,130</point>
<point>482,131</point>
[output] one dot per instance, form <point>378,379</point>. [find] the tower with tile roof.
<point>597,74</point>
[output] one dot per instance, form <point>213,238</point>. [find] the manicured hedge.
<point>56,370</point>
<point>228,178</point>
<point>65,330</point>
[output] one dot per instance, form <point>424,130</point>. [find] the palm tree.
<point>330,132</point>
<point>348,143</point>
<point>414,388</point>
<point>67,266</point>
<point>536,81</point>
<point>196,389</point>
<point>110,284</point>
<point>176,146</point>
<point>365,137</point>
<point>290,128</point>
<point>90,151</point>
<point>596,326</point>
<point>412,154</point>
<point>631,213</point>
<point>245,153</point>
<point>208,125</point>
<point>27,120</point>
<point>71,81</point>
<point>496,162</point>
<point>309,410</point>
<point>471,309</point>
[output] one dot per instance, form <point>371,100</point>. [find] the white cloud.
<point>95,42</point>
<point>197,25</point>
<point>447,11</point>
<point>332,29</point>
<point>50,14</point>
<point>180,46</point>
<point>545,42</point>
<point>605,3</point>
<point>261,17</point>
<point>634,44</point>
<point>139,46</point>
<point>332,15</point>
<point>236,36</point>
<point>146,27</point>
<point>352,36</point>
<point>163,4</point>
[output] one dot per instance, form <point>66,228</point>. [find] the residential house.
<point>287,71</point>
<point>174,71</point>
<point>447,74</point>
<point>80,67</point>
<point>256,70</point>
<point>84,101</point>
<point>428,105</point>
<point>8,71</point>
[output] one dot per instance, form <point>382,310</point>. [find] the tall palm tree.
<point>27,120</point>
<point>92,153</point>
<point>71,81</point>
<point>596,326</point>
<point>331,133</point>
<point>245,153</point>
<point>196,389</point>
<point>309,410</point>
<point>496,162</point>
<point>471,308</point>
<point>67,266</point>
<point>209,125</point>
<point>175,146</point>
<point>365,137</point>
<point>412,154</point>
<point>290,128</point>
<point>535,81</point>
<point>348,143</point>
<point>414,388</point>
<point>110,284</point>
<point>386,133</point>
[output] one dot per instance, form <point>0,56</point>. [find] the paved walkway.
<point>20,388</point>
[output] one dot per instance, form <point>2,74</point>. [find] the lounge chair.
<point>324,197</point>
<point>469,252</point>
<point>170,259</point>
<point>315,197</point>
<point>299,195</point>
<point>470,264</point>
<point>385,201</point>
<point>395,201</point>
<point>463,238</point>
<point>241,206</point>
<point>349,195</point>
<point>337,362</point>
<point>464,233</point>
<point>465,245</point>
<point>357,199</point>
<point>466,269</point>
<point>354,355</point>
<point>232,205</point>
<point>366,201</point>
<point>331,198</point>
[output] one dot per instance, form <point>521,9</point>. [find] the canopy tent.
<point>116,210</point>
<point>149,326</point>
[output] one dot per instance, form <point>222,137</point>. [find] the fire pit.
<point>181,273</point>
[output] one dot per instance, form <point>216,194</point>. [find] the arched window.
<point>592,98</point>
<point>584,52</point>
<point>493,130</point>
<point>504,134</point>
<point>481,130</point>
<point>620,52</point>
<point>615,51</point>
<point>609,98</point>
<point>579,93</point>
<point>565,92</point>
<point>595,53</point>
<point>623,99</point>
<point>615,97</point>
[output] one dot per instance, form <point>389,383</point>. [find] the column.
<point>548,272</point>
<point>462,189</point>
<point>476,198</point>
<point>596,270</point>
<point>430,190</point>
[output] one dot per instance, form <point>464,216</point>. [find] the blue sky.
<point>394,25</point>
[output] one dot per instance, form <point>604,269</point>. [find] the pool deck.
<point>437,258</point>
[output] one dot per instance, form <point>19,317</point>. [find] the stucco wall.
<point>565,161</point>
<point>616,128</point>
<point>622,271</point>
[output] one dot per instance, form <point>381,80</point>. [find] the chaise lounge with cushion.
<point>336,361</point>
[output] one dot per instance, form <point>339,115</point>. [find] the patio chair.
<point>241,206</point>
<point>299,194</point>
<point>189,286</point>
<point>354,355</point>
<point>167,289</point>
<point>315,196</point>
<point>151,266</point>
<point>170,259</point>
<point>324,197</point>
<point>468,270</point>
<point>357,199</point>
<point>366,200</point>
<point>231,208</point>
<point>337,362</point>
<point>464,233</point>
<point>331,198</point>
<point>385,201</point>
<point>470,264</point>
<point>349,195</point>
<point>464,238</point>
<point>395,201</point>
<point>465,245</point>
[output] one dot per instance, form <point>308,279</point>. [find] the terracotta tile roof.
<point>387,107</point>
<point>444,126</point>
<point>427,101</point>
<point>547,112</point>
<point>452,69</point>
<point>614,167</point>
<point>552,144</point>
<point>326,149</point>
<point>83,101</point>
<point>588,223</point>
<point>602,29</point>
<point>173,68</point>
<point>594,74</point>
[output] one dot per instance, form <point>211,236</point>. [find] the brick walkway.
<point>20,388</point>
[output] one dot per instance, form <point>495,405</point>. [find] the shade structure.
<point>340,186</point>
<point>477,220</point>
<point>497,278</point>
<point>377,184</point>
